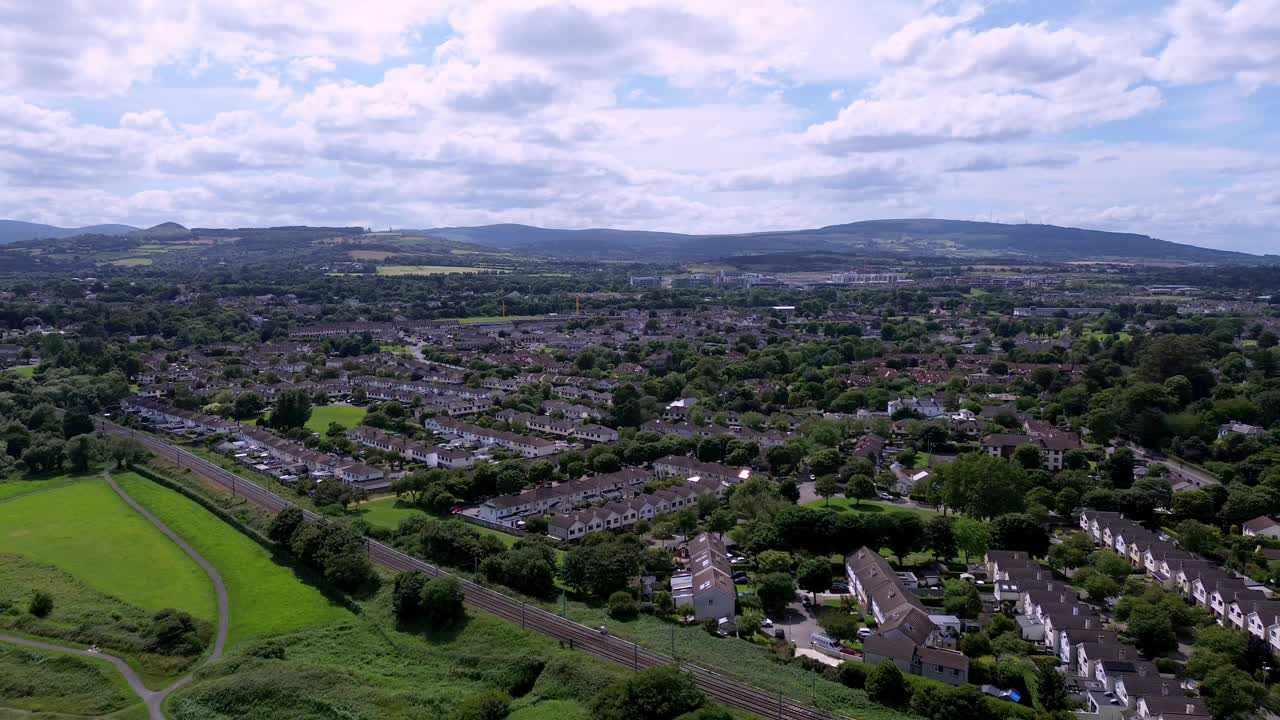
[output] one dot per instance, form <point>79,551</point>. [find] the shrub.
<point>660,693</point>
<point>622,606</point>
<point>573,677</point>
<point>406,595</point>
<point>840,625</point>
<point>41,604</point>
<point>488,705</point>
<point>1167,665</point>
<point>442,602</point>
<point>174,633</point>
<point>853,675</point>
<point>886,685</point>
<point>267,650</point>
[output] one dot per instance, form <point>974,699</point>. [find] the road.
<point>606,647</point>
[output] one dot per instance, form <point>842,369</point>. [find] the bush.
<point>41,604</point>
<point>886,685</point>
<point>573,677</point>
<point>660,693</point>
<point>442,602</point>
<point>267,650</point>
<point>622,606</point>
<point>853,675</point>
<point>488,705</point>
<point>710,712</point>
<point>1167,665</point>
<point>840,625</point>
<point>406,596</point>
<point>174,633</point>
<point>712,626</point>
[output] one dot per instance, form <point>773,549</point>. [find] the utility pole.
<point>635,656</point>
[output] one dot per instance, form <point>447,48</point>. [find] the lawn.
<point>266,598</point>
<point>839,504</point>
<point>49,682</point>
<point>396,270</point>
<point>131,262</point>
<point>395,349</point>
<point>497,318</point>
<point>86,530</point>
<point>15,488</point>
<point>387,512</point>
<point>347,416</point>
<point>25,371</point>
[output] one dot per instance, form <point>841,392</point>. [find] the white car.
<point>766,623</point>
<point>864,633</point>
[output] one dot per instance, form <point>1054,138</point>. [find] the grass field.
<point>497,318</point>
<point>395,270</point>
<point>389,512</point>
<point>367,668</point>
<point>25,371</point>
<point>347,416</point>
<point>86,530</point>
<point>15,488</point>
<point>839,504</point>
<point>131,262</point>
<point>48,682</point>
<point>265,598</point>
<point>396,349</point>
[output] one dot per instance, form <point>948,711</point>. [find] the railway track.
<point>580,637</point>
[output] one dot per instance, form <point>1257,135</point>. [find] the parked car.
<point>741,579</point>
<point>766,623</point>
<point>886,496</point>
<point>841,588</point>
<point>864,633</point>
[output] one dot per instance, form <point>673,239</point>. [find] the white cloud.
<point>1214,41</point>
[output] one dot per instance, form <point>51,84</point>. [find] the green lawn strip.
<point>389,512</point>
<point>347,416</point>
<point>366,667</point>
<point>497,318</point>
<point>17,488</point>
<point>86,530</point>
<point>839,504</point>
<point>45,681</point>
<point>265,598</point>
<point>750,663</point>
<point>26,371</point>
<point>82,617</point>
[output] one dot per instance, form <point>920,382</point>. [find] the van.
<point>825,645</point>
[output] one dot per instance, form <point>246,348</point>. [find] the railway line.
<point>724,690</point>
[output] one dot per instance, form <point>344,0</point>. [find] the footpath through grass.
<point>266,598</point>
<point>42,682</point>
<point>18,487</point>
<point>86,530</point>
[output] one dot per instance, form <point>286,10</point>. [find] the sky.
<point>695,116</point>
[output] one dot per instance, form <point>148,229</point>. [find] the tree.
<point>722,521</point>
<point>906,533</point>
<point>1051,691</point>
<point>1197,537</point>
<point>1017,531</point>
<point>125,451</point>
<point>776,591</point>
<point>774,561</point>
<point>1231,694</point>
<point>826,487</point>
<point>860,487</point>
<point>442,602</point>
<point>815,576</point>
<point>246,405</point>
<point>285,524</point>
<point>825,461</point>
<point>660,693</point>
<point>173,633</point>
<point>973,537</point>
<point>1151,629</point>
<point>599,567</point>
<point>406,596</point>
<point>983,486</point>
<point>1193,505</point>
<point>41,604</point>
<point>940,537</point>
<point>960,598</point>
<point>1027,455</point>
<point>45,454</point>
<point>292,410</point>
<point>663,604</point>
<point>622,606</point>
<point>1118,468</point>
<point>886,685</point>
<point>82,451</point>
<point>1066,502</point>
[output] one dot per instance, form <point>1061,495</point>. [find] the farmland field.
<point>432,269</point>
<point>86,530</point>
<point>131,262</point>
<point>347,416</point>
<point>266,598</point>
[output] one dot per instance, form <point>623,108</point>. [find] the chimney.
<point>1062,598</point>
<point>1088,623</point>
<point>1164,689</point>
<point>1123,653</point>
<point>1191,709</point>
<point>1142,672</point>
<point>1075,609</point>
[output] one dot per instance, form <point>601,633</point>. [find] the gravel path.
<point>152,698</point>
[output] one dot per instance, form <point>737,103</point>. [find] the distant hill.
<point>958,239</point>
<point>163,231</point>
<point>16,230</point>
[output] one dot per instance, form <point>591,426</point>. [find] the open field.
<point>39,681</point>
<point>15,488</point>
<point>389,512</point>
<point>131,262</point>
<point>395,270</point>
<point>86,530</point>
<point>498,318</point>
<point>368,668</point>
<point>839,504</point>
<point>370,254</point>
<point>266,598</point>
<point>347,416</point>
<point>24,371</point>
<point>396,349</point>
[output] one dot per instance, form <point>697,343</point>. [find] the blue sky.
<point>714,116</point>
